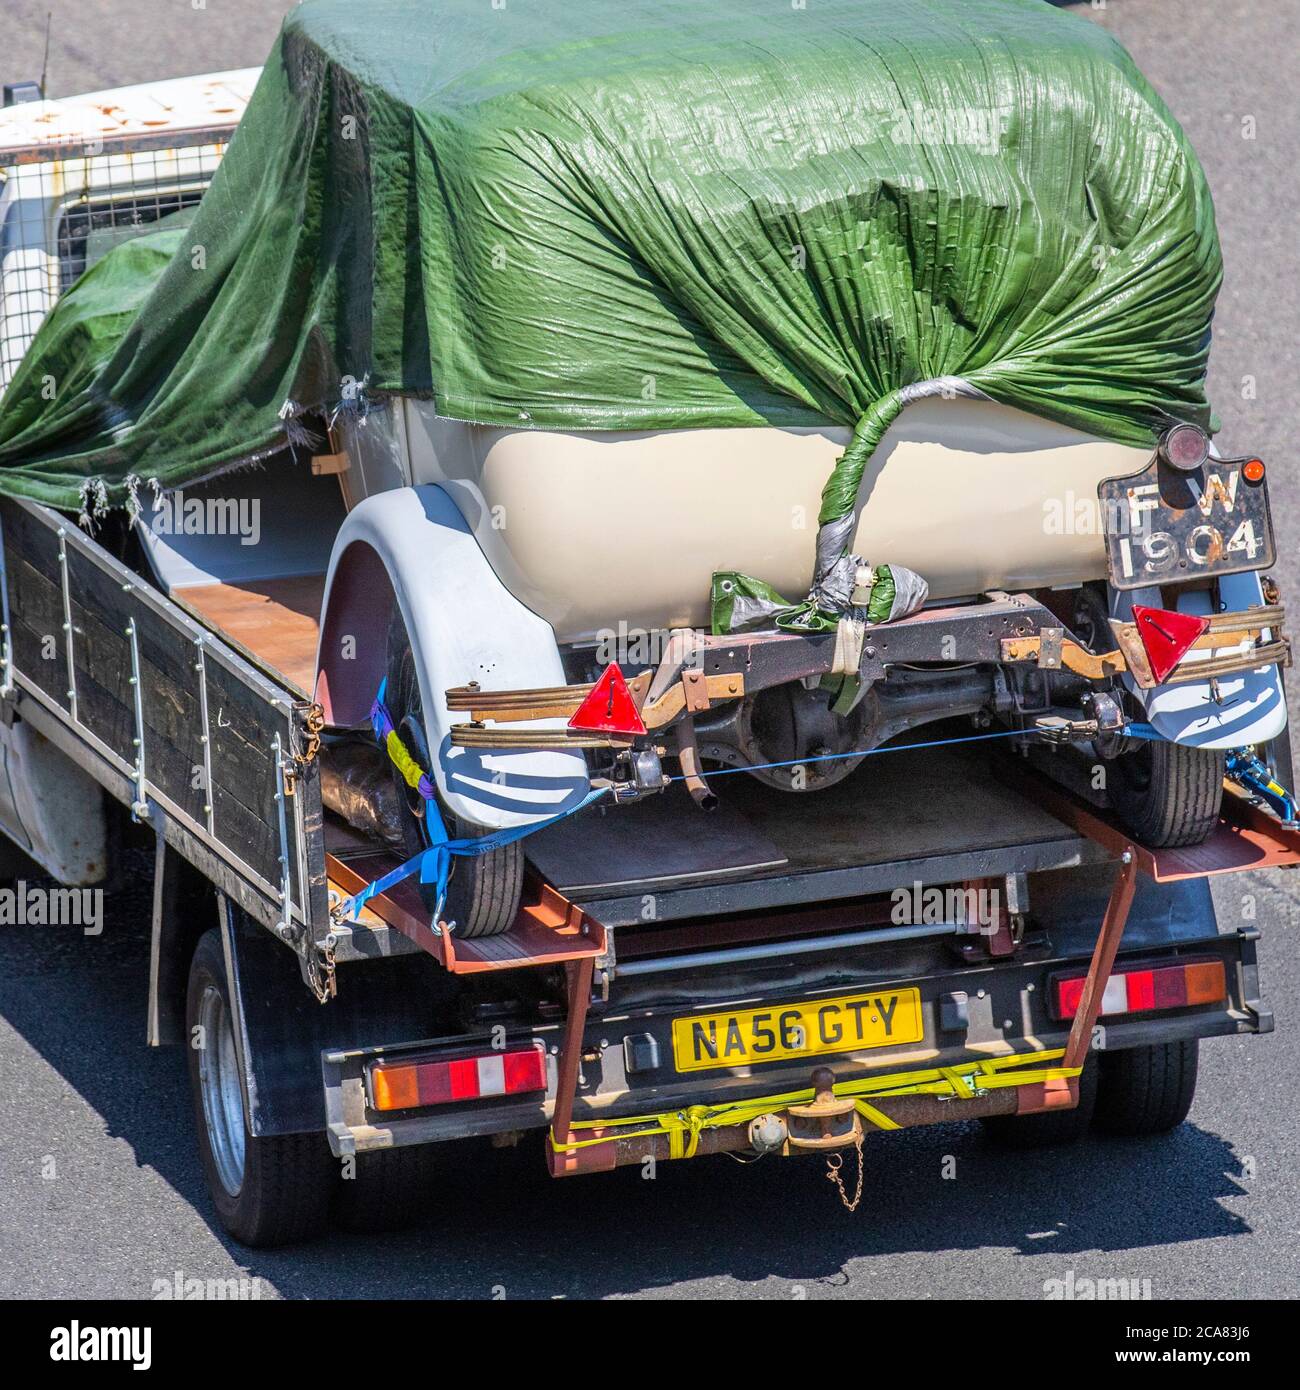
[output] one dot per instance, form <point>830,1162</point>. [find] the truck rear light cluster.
<point>410,1085</point>
<point>1143,989</point>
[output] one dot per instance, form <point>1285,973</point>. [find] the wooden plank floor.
<point>277,620</point>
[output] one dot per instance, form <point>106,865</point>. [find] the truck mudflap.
<point>170,719</point>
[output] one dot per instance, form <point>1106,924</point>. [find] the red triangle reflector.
<point>610,708</point>
<point>1167,636</point>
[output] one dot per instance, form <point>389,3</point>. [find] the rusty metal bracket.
<point>1050,643</point>
<point>827,1121</point>
<point>569,1061</point>
<point>695,688</point>
<point>1103,959</point>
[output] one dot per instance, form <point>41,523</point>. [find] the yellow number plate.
<point>782,1031</point>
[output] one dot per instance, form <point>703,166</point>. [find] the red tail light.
<point>1167,636</point>
<point>410,1085</point>
<point>610,708</point>
<point>1144,989</point>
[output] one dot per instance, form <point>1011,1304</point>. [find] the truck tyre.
<point>1168,794</point>
<point>1051,1127</point>
<point>483,891</point>
<point>389,1190</point>
<point>1146,1090</point>
<point>268,1190</point>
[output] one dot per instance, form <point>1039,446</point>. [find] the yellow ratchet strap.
<point>961,1082</point>
<point>405,764</point>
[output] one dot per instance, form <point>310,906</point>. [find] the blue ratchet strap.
<point>434,863</point>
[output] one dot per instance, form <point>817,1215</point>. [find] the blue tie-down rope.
<point>434,862</point>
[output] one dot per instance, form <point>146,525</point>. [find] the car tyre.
<point>484,890</point>
<point>1167,794</point>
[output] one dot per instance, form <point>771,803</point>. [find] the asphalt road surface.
<point>100,1190</point>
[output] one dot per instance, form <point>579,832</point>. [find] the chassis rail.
<point>1003,629</point>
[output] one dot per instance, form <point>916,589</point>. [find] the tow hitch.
<point>827,1121</point>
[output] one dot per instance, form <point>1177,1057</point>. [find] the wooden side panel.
<point>102,612</point>
<point>244,772</point>
<point>35,603</point>
<point>236,810</point>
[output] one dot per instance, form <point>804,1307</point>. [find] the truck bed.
<point>932,815</point>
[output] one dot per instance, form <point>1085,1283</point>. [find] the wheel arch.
<point>410,549</point>
<point>1246,707</point>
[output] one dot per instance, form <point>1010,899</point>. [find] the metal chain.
<point>323,982</point>
<point>834,1162</point>
<point>313,726</point>
<point>314,723</point>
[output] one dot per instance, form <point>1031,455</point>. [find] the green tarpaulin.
<point>650,214</point>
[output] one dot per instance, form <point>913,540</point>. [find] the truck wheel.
<point>389,1190</point>
<point>1146,1090</point>
<point>483,891</point>
<point>1166,793</point>
<point>1051,1127</point>
<point>268,1190</point>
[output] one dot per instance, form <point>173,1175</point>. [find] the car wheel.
<point>269,1189</point>
<point>484,890</point>
<point>1166,793</point>
<point>1049,1128</point>
<point>1146,1090</point>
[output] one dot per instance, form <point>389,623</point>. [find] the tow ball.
<point>826,1122</point>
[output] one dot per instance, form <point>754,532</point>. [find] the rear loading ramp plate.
<point>548,929</point>
<point>1246,837</point>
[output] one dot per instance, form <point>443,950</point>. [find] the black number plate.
<point>1163,526</point>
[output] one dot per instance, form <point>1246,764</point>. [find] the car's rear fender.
<point>410,548</point>
<point>1242,708</point>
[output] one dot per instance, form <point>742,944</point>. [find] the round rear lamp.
<point>1253,470</point>
<point>1185,447</point>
